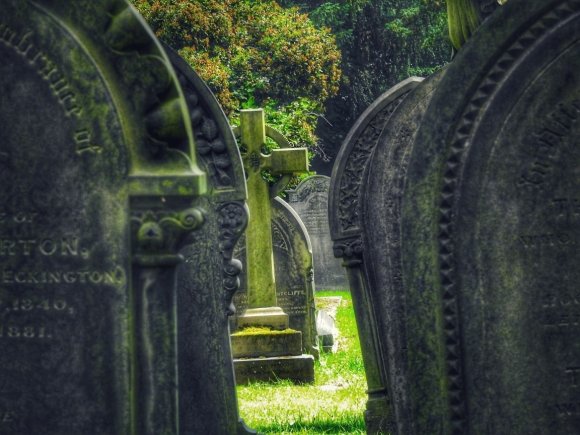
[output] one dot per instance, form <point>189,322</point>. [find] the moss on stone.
<point>262,330</point>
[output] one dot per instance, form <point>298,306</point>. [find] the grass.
<point>334,404</point>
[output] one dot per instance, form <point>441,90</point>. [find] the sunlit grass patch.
<point>333,405</point>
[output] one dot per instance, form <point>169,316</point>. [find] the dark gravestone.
<point>485,303</point>
<point>206,294</point>
<point>294,278</point>
<point>346,227</point>
<point>310,200</point>
<point>99,193</point>
<point>380,254</point>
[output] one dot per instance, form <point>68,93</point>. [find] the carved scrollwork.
<point>162,104</point>
<point>210,144</point>
<point>232,221</point>
<point>350,250</point>
<point>349,196</point>
<point>164,232</point>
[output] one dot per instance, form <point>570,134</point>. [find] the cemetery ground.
<point>334,404</point>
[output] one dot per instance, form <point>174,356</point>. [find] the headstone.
<point>385,178</point>
<point>294,277</point>
<point>483,299</point>
<point>206,300</point>
<point>262,308</point>
<point>99,192</point>
<point>346,227</point>
<point>310,200</point>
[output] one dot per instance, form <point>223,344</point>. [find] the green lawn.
<point>333,405</point>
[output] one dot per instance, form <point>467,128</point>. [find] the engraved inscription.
<point>22,43</point>
<point>48,247</point>
<point>567,409</point>
<point>572,376</point>
<point>112,277</point>
<point>7,417</point>
<point>548,142</point>
<point>566,208</point>
<point>44,66</point>
<point>23,332</point>
<point>84,142</point>
<point>560,311</point>
<point>530,241</point>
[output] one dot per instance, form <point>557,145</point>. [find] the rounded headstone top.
<point>309,186</point>
<point>354,155</point>
<point>494,155</point>
<point>142,84</point>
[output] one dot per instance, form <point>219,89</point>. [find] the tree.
<point>254,54</point>
<point>382,43</point>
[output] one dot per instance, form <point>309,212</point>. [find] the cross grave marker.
<point>262,304</point>
<point>265,355</point>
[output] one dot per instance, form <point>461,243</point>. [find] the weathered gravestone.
<point>385,177</point>
<point>310,200</point>
<point>268,354</point>
<point>346,227</point>
<point>483,312</point>
<point>294,279</point>
<point>207,293</point>
<point>99,194</point>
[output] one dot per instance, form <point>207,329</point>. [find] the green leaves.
<point>254,54</point>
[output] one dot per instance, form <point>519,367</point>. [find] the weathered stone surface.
<point>346,226</point>
<point>99,191</point>
<point>381,240</point>
<point>260,275</point>
<point>267,286</point>
<point>294,279</point>
<point>299,369</point>
<point>283,343</point>
<point>482,317</point>
<point>209,276</point>
<point>310,200</point>
<point>326,331</point>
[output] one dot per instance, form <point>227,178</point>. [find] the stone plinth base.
<point>299,369</point>
<point>267,344</point>
<point>271,317</point>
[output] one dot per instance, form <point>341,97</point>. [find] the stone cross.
<point>262,304</point>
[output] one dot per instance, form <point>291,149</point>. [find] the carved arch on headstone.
<point>345,214</point>
<point>121,165</point>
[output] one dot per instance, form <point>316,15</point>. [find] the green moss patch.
<point>259,330</point>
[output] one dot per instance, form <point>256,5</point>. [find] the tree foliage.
<point>254,54</point>
<point>382,42</point>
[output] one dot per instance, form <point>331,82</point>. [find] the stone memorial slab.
<point>294,277</point>
<point>346,227</point>
<point>310,200</point>
<point>100,198</point>
<point>482,299</point>
<point>266,227</point>
<point>205,300</point>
